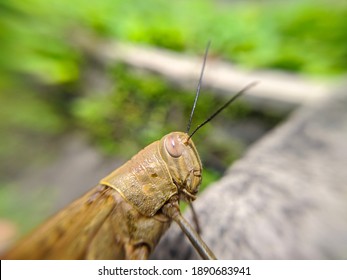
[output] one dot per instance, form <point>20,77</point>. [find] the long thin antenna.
<point>199,86</point>
<point>223,107</point>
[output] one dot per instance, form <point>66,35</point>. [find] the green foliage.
<point>306,36</point>
<point>27,114</point>
<point>34,205</point>
<point>24,120</point>
<point>300,36</point>
<point>42,65</point>
<point>143,107</point>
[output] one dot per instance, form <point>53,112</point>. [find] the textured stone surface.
<point>286,199</point>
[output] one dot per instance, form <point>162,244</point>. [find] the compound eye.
<point>173,145</point>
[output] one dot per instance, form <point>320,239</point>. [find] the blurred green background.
<point>49,82</point>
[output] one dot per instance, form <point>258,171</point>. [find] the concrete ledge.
<point>286,199</point>
<point>275,89</point>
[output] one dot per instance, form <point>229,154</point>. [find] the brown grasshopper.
<point>125,215</point>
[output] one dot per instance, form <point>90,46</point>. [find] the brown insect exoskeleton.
<point>127,213</point>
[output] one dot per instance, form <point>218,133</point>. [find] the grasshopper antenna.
<point>198,88</point>
<point>195,217</point>
<point>242,91</point>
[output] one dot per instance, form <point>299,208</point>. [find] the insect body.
<point>165,168</point>
<point>125,216</point>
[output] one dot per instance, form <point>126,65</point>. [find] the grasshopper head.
<point>183,163</point>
